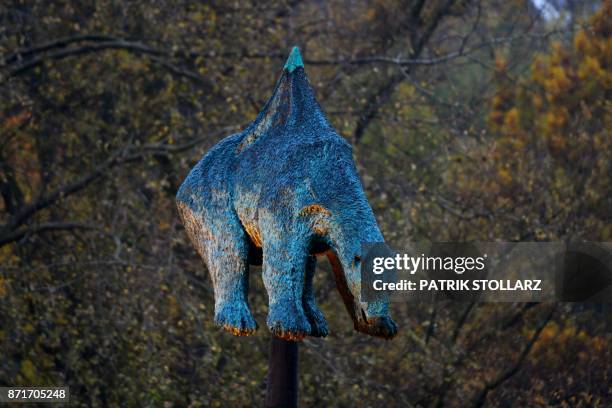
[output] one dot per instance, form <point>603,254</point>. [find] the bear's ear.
<point>294,61</point>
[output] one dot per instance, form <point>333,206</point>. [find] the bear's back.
<point>211,177</point>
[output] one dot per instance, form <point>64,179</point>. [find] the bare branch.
<point>8,231</point>
<point>17,67</point>
<point>49,226</point>
<point>58,43</point>
<point>379,98</point>
<point>61,192</point>
<point>506,374</point>
<point>462,320</point>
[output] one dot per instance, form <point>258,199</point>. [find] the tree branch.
<point>58,43</point>
<point>384,93</point>
<point>10,233</point>
<point>49,226</point>
<point>15,66</point>
<point>506,374</point>
<point>61,192</point>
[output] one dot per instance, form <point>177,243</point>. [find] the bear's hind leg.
<point>226,257</point>
<point>231,282</point>
<point>318,324</point>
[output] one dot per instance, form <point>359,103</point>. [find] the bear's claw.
<point>318,324</point>
<point>236,318</point>
<point>288,324</point>
<point>379,326</point>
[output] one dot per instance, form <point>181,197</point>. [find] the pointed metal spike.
<point>294,61</point>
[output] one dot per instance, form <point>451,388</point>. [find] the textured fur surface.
<point>280,192</point>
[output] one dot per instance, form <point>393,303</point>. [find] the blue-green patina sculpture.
<point>279,193</point>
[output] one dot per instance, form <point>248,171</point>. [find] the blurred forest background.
<point>470,120</point>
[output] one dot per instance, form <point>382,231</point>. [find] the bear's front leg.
<point>225,254</point>
<point>283,275</point>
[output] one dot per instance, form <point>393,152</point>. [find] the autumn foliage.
<point>469,120</point>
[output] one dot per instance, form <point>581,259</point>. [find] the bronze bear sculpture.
<point>279,193</point>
